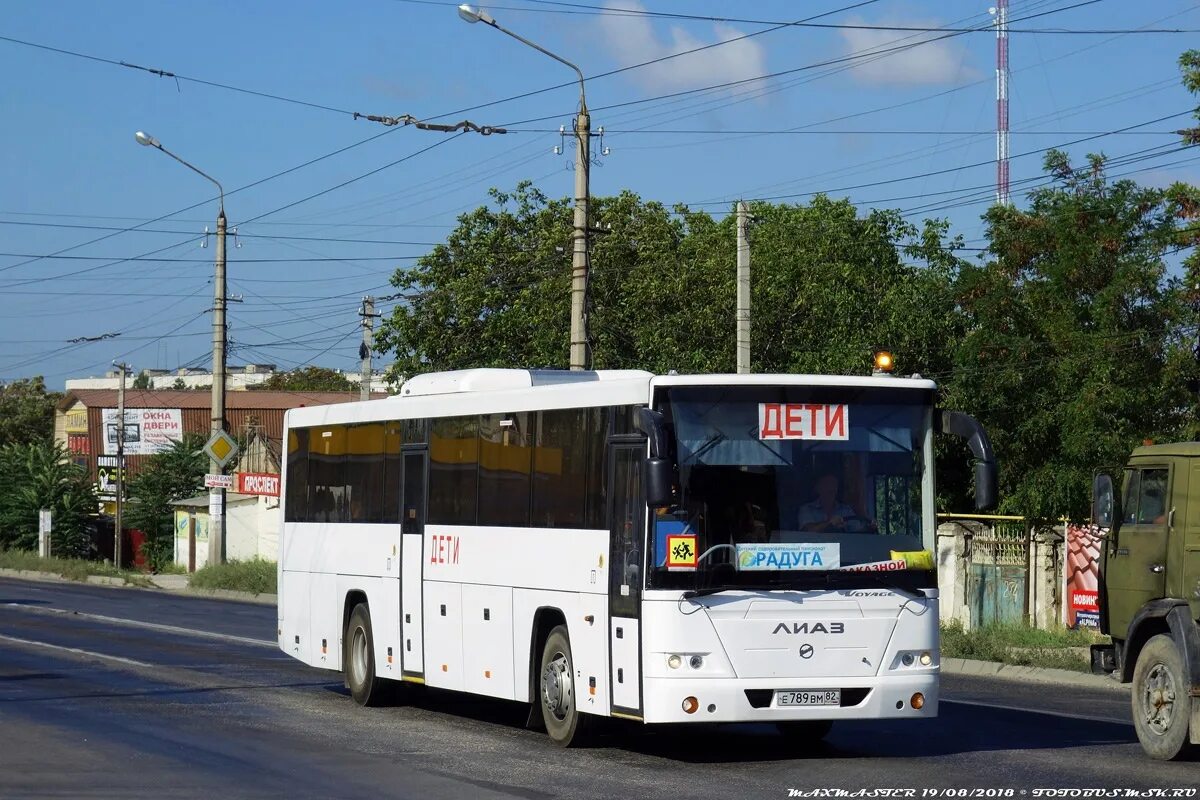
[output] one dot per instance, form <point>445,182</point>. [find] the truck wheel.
<point>1161,705</point>
<point>556,690</point>
<point>358,660</point>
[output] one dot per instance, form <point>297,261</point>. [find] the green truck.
<point>1150,591</point>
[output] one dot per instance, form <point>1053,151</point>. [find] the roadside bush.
<point>1020,645</point>
<point>256,576</point>
<point>39,475</point>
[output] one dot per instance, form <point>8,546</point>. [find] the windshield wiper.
<point>688,595</point>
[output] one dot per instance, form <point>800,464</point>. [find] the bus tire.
<point>565,725</point>
<point>1161,706</point>
<point>805,730</point>
<point>367,688</point>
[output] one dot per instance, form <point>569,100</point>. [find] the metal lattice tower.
<point>1000,11</point>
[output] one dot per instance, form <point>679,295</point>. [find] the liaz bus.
<point>658,548</point>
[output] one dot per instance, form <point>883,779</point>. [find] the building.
<point>85,423</point>
<point>237,378</point>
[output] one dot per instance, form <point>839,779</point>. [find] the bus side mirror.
<point>659,477</point>
<point>659,483</point>
<point>964,426</point>
<point>1105,504</point>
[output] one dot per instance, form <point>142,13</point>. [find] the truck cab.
<point>1149,517</point>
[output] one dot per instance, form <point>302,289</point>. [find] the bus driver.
<point>825,513</point>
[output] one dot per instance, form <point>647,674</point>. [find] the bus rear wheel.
<point>358,659</point>
<point>566,726</point>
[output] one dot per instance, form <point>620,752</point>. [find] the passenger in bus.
<point>826,512</point>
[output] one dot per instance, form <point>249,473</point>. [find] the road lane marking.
<point>154,626</point>
<point>77,651</point>
<point>1024,710</point>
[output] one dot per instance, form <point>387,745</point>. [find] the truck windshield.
<point>793,487</point>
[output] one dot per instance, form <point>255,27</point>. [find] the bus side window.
<point>296,509</point>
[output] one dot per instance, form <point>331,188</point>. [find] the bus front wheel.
<point>358,660</point>
<point>565,725</point>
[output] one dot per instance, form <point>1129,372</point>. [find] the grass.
<point>1020,645</point>
<point>75,569</point>
<point>256,576</point>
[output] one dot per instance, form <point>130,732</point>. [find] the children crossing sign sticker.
<point>681,552</point>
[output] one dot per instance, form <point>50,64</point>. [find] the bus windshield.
<point>790,485</point>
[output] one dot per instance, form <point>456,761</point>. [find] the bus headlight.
<point>674,661</point>
<point>696,662</point>
<point>906,659</point>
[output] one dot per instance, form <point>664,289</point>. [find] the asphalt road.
<point>130,694</point>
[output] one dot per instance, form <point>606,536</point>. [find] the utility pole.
<point>367,312</point>
<point>579,250</point>
<point>743,289</point>
<point>120,464</point>
<point>216,497</point>
<point>579,254</point>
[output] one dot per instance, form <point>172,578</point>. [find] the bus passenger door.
<point>412,536</point>
<point>627,521</point>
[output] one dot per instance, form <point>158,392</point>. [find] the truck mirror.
<point>659,483</point>
<point>1104,500</point>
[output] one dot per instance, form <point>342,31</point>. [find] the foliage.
<point>1077,346</point>
<point>308,379</point>
<point>39,475</point>
<point>142,381</point>
<point>74,569</point>
<point>174,474</point>
<point>26,411</point>
<point>179,385</point>
<point>1020,645</point>
<point>257,576</point>
<point>828,287</point>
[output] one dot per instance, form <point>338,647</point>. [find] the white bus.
<point>665,549</point>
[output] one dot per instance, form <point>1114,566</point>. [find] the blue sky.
<point>70,159</point>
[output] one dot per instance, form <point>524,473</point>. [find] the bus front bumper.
<point>742,700</point>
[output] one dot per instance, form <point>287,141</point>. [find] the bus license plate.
<point>809,697</point>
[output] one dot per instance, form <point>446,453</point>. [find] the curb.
<point>119,583</point>
<point>994,669</point>
<point>228,594</point>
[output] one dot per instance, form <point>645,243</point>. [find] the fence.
<point>999,569</point>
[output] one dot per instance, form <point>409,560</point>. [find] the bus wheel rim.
<point>558,693</point>
<point>358,657</point>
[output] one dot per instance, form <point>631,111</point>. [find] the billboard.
<point>1082,567</point>
<point>147,430</point>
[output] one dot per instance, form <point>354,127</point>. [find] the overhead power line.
<point>602,11</point>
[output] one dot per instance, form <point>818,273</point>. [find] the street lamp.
<point>583,133</point>
<point>216,539</point>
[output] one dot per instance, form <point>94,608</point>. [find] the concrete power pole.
<point>119,526</point>
<point>579,254</point>
<point>743,289</point>
<point>216,497</point>
<point>367,312</point>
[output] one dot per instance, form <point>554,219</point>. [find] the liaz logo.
<point>810,627</point>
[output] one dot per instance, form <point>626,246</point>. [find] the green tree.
<point>142,381</point>
<point>39,475</point>
<point>1079,343</point>
<point>174,474</point>
<point>26,411</point>
<point>827,286</point>
<point>308,379</point>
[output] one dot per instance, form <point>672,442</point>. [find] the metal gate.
<point>998,569</point>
